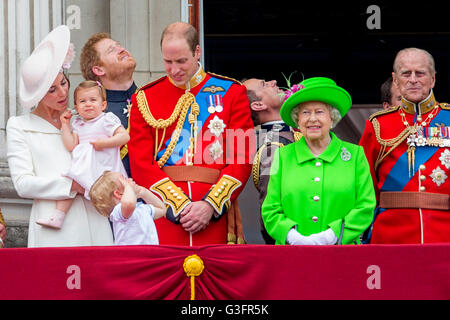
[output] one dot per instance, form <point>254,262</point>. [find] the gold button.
<point>422,188</point>
<point>422,167</point>
<point>423,178</point>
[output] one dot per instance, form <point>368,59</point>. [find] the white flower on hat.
<point>69,57</point>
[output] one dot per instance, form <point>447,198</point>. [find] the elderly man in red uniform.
<point>408,152</point>
<point>191,143</point>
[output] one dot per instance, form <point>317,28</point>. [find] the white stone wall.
<point>137,24</point>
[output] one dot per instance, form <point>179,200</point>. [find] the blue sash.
<point>202,99</point>
<point>398,178</point>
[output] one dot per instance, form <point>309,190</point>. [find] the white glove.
<point>326,237</point>
<point>295,238</point>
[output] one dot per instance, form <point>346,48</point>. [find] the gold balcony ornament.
<point>193,267</point>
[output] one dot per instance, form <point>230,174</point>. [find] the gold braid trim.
<point>220,193</point>
<point>257,163</point>
<point>255,167</point>
<point>2,220</point>
<point>444,105</point>
<point>171,194</point>
<point>384,111</point>
<point>393,143</point>
<point>257,159</point>
<point>123,151</point>
<point>184,102</point>
<point>297,135</point>
<point>179,112</point>
<point>225,78</point>
<point>174,139</point>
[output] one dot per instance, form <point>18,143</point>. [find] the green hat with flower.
<point>315,89</point>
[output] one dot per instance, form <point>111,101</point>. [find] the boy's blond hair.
<point>102,193</point>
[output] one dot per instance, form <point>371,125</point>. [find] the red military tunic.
<point>423,171</point>
<point>224,142</point>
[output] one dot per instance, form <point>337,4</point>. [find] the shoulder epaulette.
<point>151,84</point>
<point>445,105</point>
<point>381,112</point>
<point>257,161</point>
<point>225,78</point>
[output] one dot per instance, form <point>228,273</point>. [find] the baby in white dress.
<point>94,138</point>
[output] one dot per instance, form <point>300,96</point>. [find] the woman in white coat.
<point>36,153</point>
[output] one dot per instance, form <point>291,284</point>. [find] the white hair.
<point>431,64</point>
<point>334,114</point>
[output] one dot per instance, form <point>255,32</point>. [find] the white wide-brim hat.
<point>41,68</point>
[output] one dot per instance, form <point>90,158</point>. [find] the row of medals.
<point>418,139</point>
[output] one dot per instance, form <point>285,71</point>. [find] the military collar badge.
<point>419,108</point>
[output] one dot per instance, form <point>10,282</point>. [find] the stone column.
<point>161,14</point>
<point>130,21</point>
<point>23,24</point>
<point>84,18</point>
<point>138,25</point>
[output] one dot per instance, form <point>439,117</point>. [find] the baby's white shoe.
<point>55,221</point>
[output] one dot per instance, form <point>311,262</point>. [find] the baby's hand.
<point>123,180</point>
<point>65,117</point>
<point>137,188</point>
<point>98,145</point>
<point>130,183</point>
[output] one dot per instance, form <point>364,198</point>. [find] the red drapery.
<point>243,272</point>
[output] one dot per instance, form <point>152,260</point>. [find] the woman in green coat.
<point>320,190</point>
